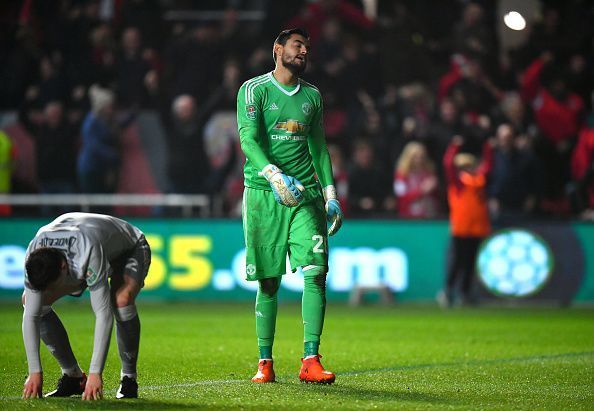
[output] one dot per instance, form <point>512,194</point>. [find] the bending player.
<point>285,209</point>
<point>75,251</point>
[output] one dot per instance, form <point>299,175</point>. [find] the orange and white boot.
<point>265,372</point>
<point>313,371</point>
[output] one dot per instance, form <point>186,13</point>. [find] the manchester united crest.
<point>306,108</point>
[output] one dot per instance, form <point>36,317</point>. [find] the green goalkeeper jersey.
<point>282,125</point>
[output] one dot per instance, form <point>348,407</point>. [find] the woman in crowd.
<point>416,183</point>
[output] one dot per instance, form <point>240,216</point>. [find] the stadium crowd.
<point>397,89</point>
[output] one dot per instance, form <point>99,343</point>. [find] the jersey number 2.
<point>320,246</point>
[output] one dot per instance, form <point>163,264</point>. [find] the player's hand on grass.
<point>33,386</point>
<point>333,212</point>
<point>94,388</point>
<point>286,189</point>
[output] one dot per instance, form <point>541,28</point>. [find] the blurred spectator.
<point>557,112</point>
<point>414,106</point>
<point>99,156</point>
<point>515,183</point>
<point>56,146</point>
<point>473,94</point>
<point>458,64</point>
<point>582,165</point>
<point>579,77</point>
<point>443,129</point>
<point>367,184</point>
<point>225,95</point>
<point>102,62</point>
<point>415,183</point>
<point>52,85</point>
<point>132,69</point>
<point>7,157</point>
<point>221,141</point>
<point>471,35</point>
<point>469,86</point>
<point>469,218</point>
<point>513,111</point>
<point>366,122</point>
<point>188,165</point>
<point>78,105</point>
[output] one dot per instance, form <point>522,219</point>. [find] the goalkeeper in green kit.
<point>285,208</point>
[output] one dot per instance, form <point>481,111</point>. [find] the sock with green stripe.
<point>313,308</point>
<point>266,309</point>
<point>310,348</point>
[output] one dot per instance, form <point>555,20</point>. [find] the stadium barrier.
<point>186,202</point>
<point>201,260</point>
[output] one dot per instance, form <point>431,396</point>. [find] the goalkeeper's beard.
<point>294,67</point>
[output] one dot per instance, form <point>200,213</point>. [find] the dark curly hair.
<point>43,267</point>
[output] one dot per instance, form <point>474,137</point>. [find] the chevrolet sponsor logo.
<point>287,138</point>
<point>291,126</point>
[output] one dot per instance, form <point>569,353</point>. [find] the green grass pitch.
<point>403,357</point>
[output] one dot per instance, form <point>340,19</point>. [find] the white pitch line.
<point>190,384</point>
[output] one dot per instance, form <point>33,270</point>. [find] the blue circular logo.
<point>514,263</point>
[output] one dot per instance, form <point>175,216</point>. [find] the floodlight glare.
<point>514,21</point>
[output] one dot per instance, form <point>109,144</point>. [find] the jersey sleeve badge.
<point>91,276</point>
<point>251,112</point>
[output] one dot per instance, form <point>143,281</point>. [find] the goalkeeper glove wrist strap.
<point>269,171</point>
<point>329,193</point>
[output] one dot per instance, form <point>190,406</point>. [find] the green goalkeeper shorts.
<point>273,231</point>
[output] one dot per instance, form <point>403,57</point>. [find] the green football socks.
<point>266,309</point>
<point>313,308</point>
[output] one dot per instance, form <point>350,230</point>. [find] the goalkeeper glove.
<point>333,211</point>
<point>286,189</point>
